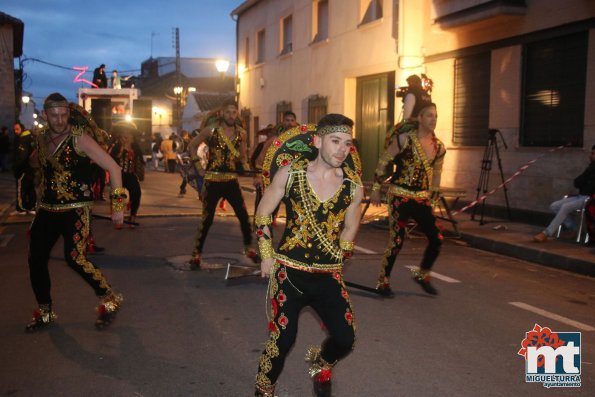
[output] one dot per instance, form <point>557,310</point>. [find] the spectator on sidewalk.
<point>564,208</point>
<point>169,154</point>
<point>23,170</point>
<point>156,154</point>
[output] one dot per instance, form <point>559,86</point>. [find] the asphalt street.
<point>189,333</point>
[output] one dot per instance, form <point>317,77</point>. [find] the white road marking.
<point>553,316</point>
<point>364,250</point>
<point>438,275</point>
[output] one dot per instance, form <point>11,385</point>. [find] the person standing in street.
<point>128,155</point>
<point>65,152</point>
<point>226,143</point>
<point>413,190</point>
<point>24,171</point>
<point>322,196</point>
<point>183,152</point>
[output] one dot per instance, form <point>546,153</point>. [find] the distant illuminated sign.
<point>78,79</point>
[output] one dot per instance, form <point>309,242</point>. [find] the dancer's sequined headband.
<point>329,129</point>
<point>55,104</point>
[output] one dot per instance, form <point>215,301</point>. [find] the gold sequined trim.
<point>220,176</point>
<point>313,268</point>
<point>65,207</point>
<point>395,190</point>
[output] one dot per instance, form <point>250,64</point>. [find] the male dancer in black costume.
<point>227,147</point>
<point>65,154</point>
<point>322,199</point>
<point>418,156</point>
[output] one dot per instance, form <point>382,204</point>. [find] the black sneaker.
<point>424,282</point>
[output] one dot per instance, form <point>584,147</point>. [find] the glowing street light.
<point>26,99</point>
<point>222,66</point>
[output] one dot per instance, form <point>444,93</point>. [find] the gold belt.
<point>311,268</point>
<point>220,176</point>
<point>395,190</point>
<point>65,207</point>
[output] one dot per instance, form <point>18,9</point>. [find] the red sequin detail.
<point>304,128</point>
<point>277,143</point>
<point>323,376</point>
<point>282,298</point>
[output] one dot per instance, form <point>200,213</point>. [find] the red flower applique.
<point>283,321</point>
<point>304,128</point>
<point>282,298</point>
<point>76,237</point>
<point>284,162</point>
<point>259,233</point>
<point>277,142</point>
<point>282,276</point>
<point>265,174</point>
<point>349,317</point>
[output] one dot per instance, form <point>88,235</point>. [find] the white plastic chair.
<point>581,224</point>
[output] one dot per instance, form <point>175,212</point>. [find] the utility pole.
<point>179,89</point>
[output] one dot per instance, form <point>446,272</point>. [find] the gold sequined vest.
<point>311,238</point>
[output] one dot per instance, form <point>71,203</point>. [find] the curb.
<point>531,255</point>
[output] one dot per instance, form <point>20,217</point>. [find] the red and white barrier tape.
<point>517,173</point>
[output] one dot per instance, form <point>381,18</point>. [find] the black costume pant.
<point>291,290</point>
<point>73,226</point>
<point>212,192</point>
<point>401,209</point>
<point>26,197</point>
<point>130,182</point>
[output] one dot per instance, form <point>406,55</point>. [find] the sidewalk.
<point>160,198</point>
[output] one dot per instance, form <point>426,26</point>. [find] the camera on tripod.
<point>401,92</point>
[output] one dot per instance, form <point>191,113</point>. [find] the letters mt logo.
<point>552,358</point>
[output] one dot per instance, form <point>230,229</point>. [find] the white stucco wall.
<point>330,68</point>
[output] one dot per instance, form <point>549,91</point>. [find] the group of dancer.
<point>314,170</point>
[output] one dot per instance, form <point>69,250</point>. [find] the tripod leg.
<point>484,178</point>
<point>503,185</point>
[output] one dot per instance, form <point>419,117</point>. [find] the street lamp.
<point>178,90</point>
<point>222,65</point>
<point>26,99</point>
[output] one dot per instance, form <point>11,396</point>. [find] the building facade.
<point>523,68</point>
